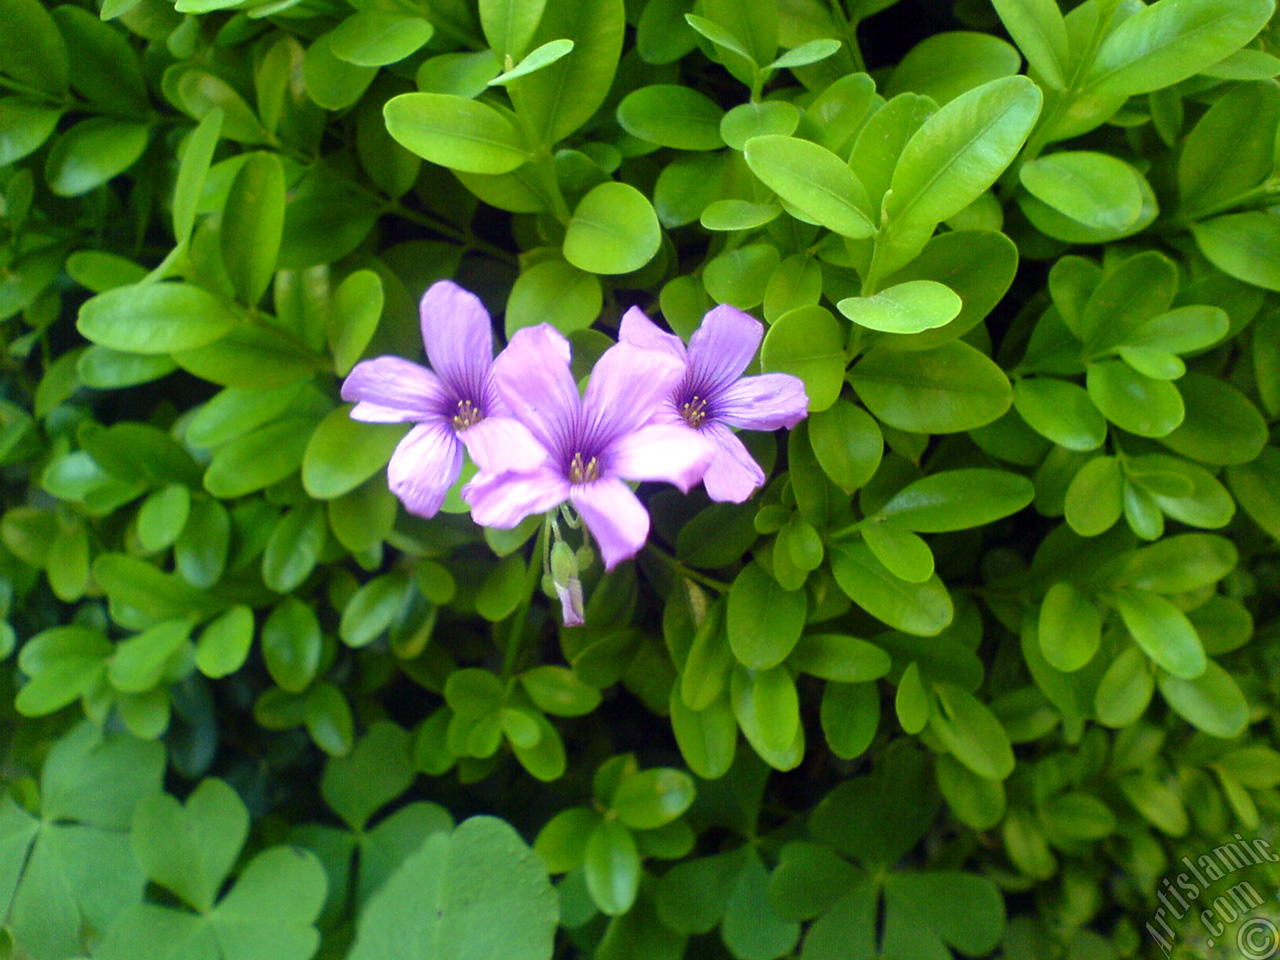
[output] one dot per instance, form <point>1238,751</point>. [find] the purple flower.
<point>714,396</point>
<point>591,443</point>
<point>456,402</point>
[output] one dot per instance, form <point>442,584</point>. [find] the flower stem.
<point>532,577</point>
<point>718,585</point>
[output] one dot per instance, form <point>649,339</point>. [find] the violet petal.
<point>672,452</point>
<point>766,402</point>
<point>502,500</point>
<point>459,338</point>
<point>426,463</point>
<point>502,443</point>
<point>393,390</point>
<point>734,474</point>
<point>721,348</point>
<point>533,379</point>
<point>627,387</point>
<point>614,516</point>
<point>637,329</point>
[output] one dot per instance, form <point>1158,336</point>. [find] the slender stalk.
<point>532,578</point>
<point>717,585</point>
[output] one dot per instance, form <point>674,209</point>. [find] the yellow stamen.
<point>694,411</point>
<point>468,415</point>
<point>583,473</point>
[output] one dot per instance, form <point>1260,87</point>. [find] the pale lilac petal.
<point>570,596</point>
<point>614,516</point>
<point>534,381</point>
<point>498,444</point>
<point>424,466</point>
<point>766,402</point>
<point>392,390</point>
<point>672,452</point>
<point>721,348</point>
<point>637,329</point>
<point>734,474</point>
<point>502,500</point>
<point>627,387</point>
<point>458,336</point>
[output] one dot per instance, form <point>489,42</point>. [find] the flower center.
<point>694,411</point>
<point>580,472</point>
<point>468,415</point>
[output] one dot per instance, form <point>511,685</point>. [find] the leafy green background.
<point>995,646</point>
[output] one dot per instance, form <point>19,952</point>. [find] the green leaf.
<point>767,708</point>
<point>1094,497</point>
<point>1163,632</point>
<point>538,59</point>
<point>557,100</point>
<point>672,116</point>
<point>354,313</point>
<point>1138,290</point>
<point>1212,702</point>
<point>910,307</point>
<point>197,154</point>
<point>557,293</point>
<point>1246,117</point>
<point>978,803</point>
<point>1221,426</point>
<point>332,83</point>
<point>155,318</point>
<point>202,92</point>
<point>1125,690</point>
<point>728,215</point>
<point>850,716</point>
<point>707,738</point>
<point>740,277</point>
<point>103,65</point>
<point>1149,408</point>
<point>956,155</point>
<point>502,590</point>
<point>718,35</point>
<point>190,848</point>
<point>1257,488</point>
<point>967,727</point>
<point>342,453</point>
<point>948,389</point>
<point>796,283</point>
<point>1070,628</point>
<point>749,120</point>
<point>259,459</point>
<point>61,663</point>
<point>142,661</point>
<point>841,658</point>
<point>847,444</point>
<point>751,927</point>
<point>922,609</point>
<point>200,554</point>
<point>1040,32</point>
<point>903,554</point>
<point>653,798</point>
<point>807,343</point>
<point>372,609</point>
<point>1170,41</point>
<point>92,152</point>
<point>958,499</point>
<point>612,865</point>
<point>375,38</point>
<point>945,65</point>
<point>294,547</point>
<point>224,644</point>
<point>1243,245</point>
<point>1061,411</point>
<point>32,51</point>
<point>1096,189</point>
<point>291,645</point>
<point>763,620</point>
<point>509,25</point>
<point>252,225</point>
<point>375,773</point>
<point>965,911</point>
<point>613,230</point>
<point>455,132</point>
<point>813,180</point>
<point>24,127</point>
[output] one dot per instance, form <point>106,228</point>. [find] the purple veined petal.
<point>571,605</point>
<point>424,466</point>
<point>734,474</point>
<point>501,444</point>
<point>766,402</point>
<point>721,348</point>
<point>627,387</point>
<point>637,329</point>
<point>392,390</point>
<point>458,336</point>
<point>533,379</point>
<point>672,452</point>
<point>502,500</point>
<point>617,520</point>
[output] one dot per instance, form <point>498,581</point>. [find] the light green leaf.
<point>1149,408</point>
<point>614,230</point>
<point>538,59</point>
<point>1212,702</point>
<point>814,181</point>
<point>922,609</point>
<point>465,135</point>
<point>910,307</point>
<point>1096,189</point>
<point>252,226</point>
<point>155,318</point>
<point>1040,32</point>
<point>672,116</point>
<point>1163,632</point>
<point>808,343</point>
<point>92,152</point>
<point>375,38</point>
